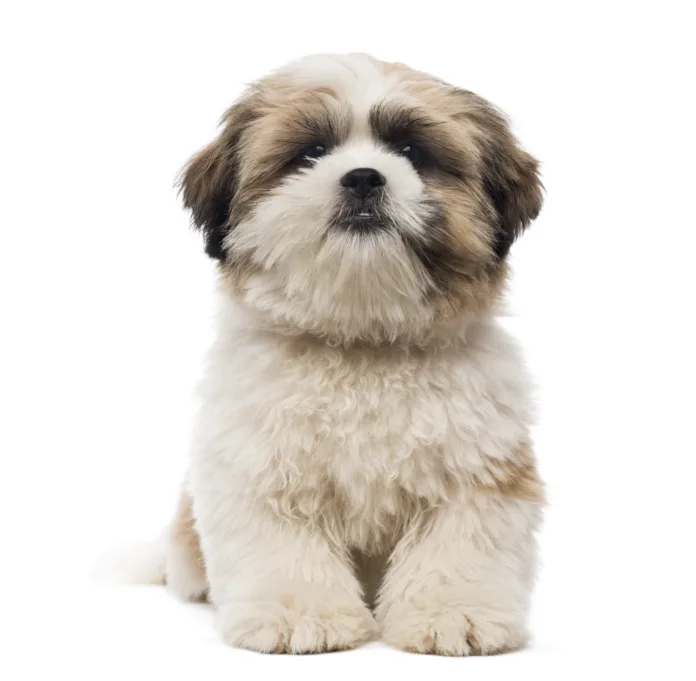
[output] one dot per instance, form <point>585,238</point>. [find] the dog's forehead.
<point>358,81</point>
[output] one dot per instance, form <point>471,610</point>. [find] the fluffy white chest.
<point>370,430</point>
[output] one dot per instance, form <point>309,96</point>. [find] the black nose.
<point>363,181</point>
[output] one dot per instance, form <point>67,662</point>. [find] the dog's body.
<point>362,461</point>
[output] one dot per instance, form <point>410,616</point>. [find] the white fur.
<point>280,421</point>
<point>356,78</point>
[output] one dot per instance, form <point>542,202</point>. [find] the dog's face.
<point>361,200</point>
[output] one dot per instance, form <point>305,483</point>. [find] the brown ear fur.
<point>208,181</point>
<point>510,176</point>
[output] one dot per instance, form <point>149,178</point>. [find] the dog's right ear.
<point>207,182</point>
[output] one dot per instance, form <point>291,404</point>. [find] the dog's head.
<point>361,200</point>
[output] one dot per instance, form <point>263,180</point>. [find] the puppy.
<point>362,464</point>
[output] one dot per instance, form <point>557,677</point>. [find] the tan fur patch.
<point>287,120</point>
<point>183,530</point>
<point>515,478</point>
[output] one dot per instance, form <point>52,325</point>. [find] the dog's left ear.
<point>510,178</point>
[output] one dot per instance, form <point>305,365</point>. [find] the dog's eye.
<point>314,150</point>
<point>413,152</point>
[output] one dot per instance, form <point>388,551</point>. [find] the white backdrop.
<point>106,298</point>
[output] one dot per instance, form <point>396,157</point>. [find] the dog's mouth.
<point>361,217</point>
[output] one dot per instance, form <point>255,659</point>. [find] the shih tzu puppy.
<point>362,464</point>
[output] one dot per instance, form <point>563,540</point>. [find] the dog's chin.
<point>361,283</point>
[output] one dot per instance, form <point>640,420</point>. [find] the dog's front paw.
<point>452,629</point>
<point>291,623</point>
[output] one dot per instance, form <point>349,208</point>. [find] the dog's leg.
<point>278,586</point>
<point>459,582</point>
<point>183,560</point>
